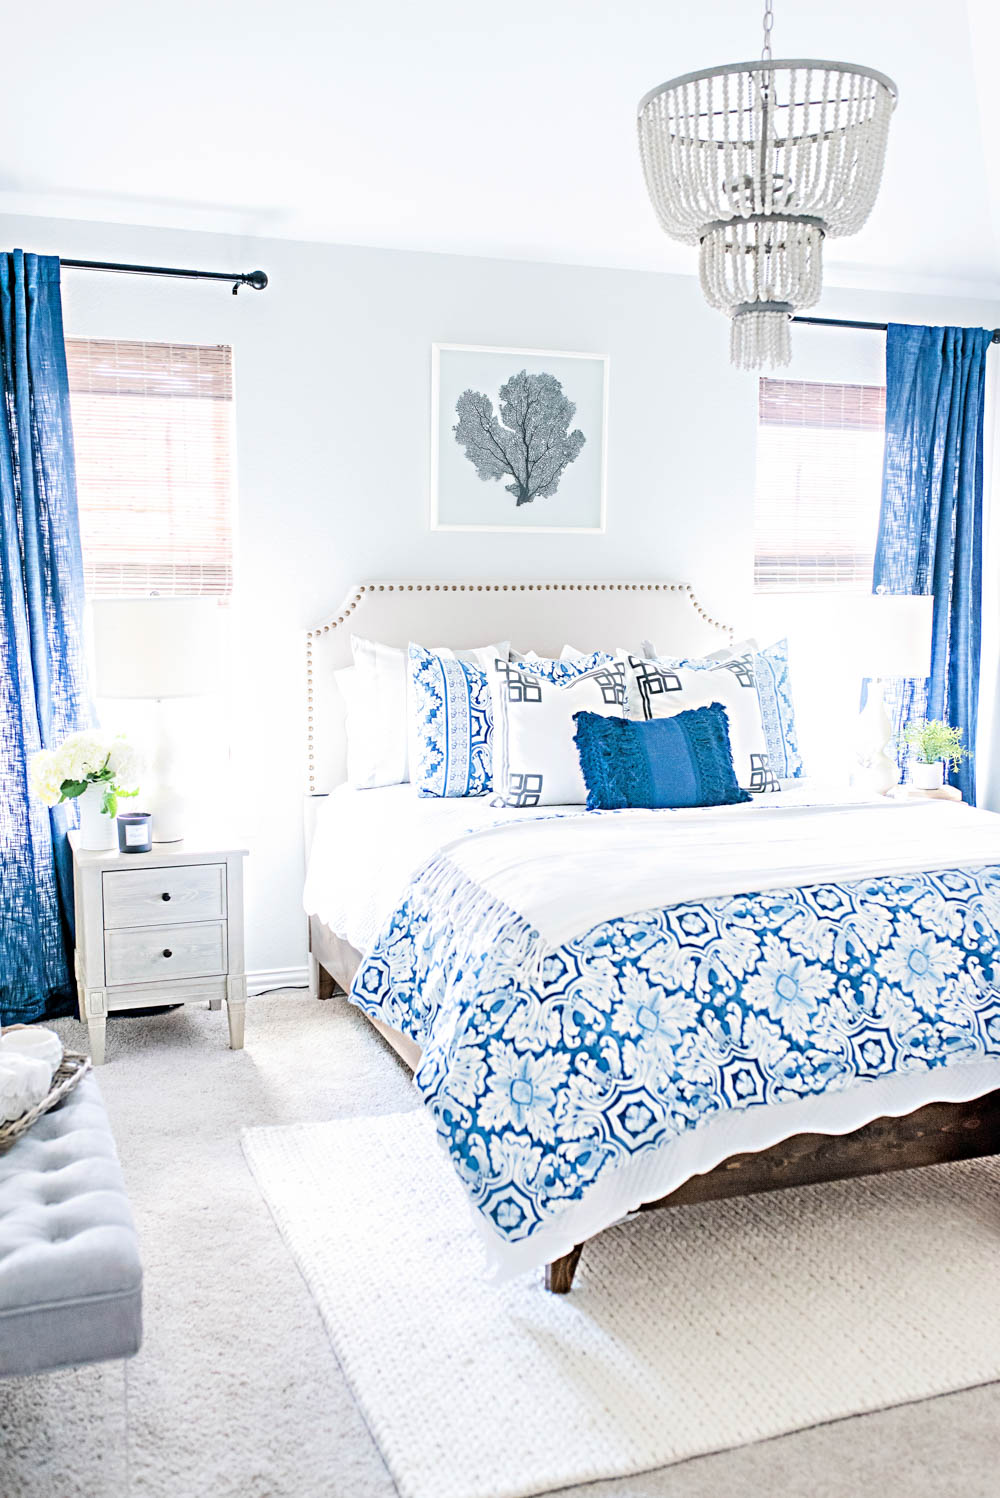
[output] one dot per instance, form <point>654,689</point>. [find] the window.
<point>152,424</point>
<point>819,480</point>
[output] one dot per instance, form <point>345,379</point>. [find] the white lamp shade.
<point>156,647</point>
<point>894,635</point>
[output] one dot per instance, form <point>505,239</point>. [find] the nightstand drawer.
<point>147,954</point>
<point>181,892</point>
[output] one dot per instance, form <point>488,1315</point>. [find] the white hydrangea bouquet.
<point>94,767</point>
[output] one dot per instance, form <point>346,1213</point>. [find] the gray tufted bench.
<point>70,1277</point>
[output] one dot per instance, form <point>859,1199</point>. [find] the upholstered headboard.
<point>533,616</point>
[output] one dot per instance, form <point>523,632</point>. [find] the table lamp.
<point>892,640</point>
<point>159,649</point>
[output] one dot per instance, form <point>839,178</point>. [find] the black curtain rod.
<point>872,327</point>
<point>256,279</point>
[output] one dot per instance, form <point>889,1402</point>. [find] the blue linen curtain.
<point>42,683</point>
<point>931,523</point>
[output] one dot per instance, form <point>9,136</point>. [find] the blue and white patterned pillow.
<point>452,726</point>
<point>777,711</point>
<point>564,669</point>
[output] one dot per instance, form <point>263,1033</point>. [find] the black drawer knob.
<point>167,952</point>
<point>164,896</point>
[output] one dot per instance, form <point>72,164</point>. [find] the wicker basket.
<point>72,1069</point>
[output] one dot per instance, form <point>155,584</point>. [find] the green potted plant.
<point>933,744</point>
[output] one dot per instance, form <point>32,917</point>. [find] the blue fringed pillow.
<point>681,761</point>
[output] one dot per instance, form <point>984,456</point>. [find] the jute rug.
<point>686,1332</point>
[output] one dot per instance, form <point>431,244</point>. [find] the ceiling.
<point>502,130</point>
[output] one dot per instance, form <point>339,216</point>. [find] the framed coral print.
<point>518,439</point>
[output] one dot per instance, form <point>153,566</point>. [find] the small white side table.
<point>913,793</point>
<point>159,928</point>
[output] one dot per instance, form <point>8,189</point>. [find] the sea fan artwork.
<point>518,439</point>
<point>527,441</point>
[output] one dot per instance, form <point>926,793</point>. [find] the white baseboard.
<point>277,977</point>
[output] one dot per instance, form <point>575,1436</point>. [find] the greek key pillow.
<point>535,758</point>
<point>774,693</point>
<point>660,688</point>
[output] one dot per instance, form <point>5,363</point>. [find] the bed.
<point>424,911</point>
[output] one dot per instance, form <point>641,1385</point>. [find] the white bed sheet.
<point>367,845</point>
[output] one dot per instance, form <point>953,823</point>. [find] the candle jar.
<point>135,832</point>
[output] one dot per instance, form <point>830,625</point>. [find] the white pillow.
<point>357,746</point>
<point>661,688</point>
<point>570,652</point>
<point>376,701</point>
<point>376,715</point>
<point>535,758</point>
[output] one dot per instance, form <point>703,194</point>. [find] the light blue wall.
<point>333,420</point>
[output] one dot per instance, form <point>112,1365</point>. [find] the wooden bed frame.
<point>932,1135</point>
<point>590,615</point>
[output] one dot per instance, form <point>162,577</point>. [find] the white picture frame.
<point>463,500</point>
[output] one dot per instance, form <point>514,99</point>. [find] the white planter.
<point>98,832</point>
<point>24,1081</point>
<point>32,1040</point>
<point>927,777</point>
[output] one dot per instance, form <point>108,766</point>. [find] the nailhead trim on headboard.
<point>357,593</point>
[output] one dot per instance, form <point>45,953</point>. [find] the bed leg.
<point>559,1274</point>
<point>321,985</point>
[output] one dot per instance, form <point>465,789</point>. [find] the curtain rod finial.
<point>255,278</point>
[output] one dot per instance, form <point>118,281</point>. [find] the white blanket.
<point>566,875</point>
<point>368,843</point>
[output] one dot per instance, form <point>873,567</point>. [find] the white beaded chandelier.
<point>756,163</point>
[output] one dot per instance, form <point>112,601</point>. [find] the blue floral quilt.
<point>545,1068</point>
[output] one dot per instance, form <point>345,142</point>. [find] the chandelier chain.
<point>765,55</point>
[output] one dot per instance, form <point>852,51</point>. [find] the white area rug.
<point>686,1332</point>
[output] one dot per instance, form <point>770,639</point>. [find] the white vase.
<point>98,832</point>
<point>927,777</point>
<point>876,771</point>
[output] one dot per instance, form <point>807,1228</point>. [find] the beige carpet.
<point>237,1392</point>
<point>711,1327</point>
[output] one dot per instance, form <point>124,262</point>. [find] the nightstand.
<point>914,793</point>
<point>159,928</point>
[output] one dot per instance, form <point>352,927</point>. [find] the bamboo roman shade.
<point>152,425</point>
<point>819,479</point>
